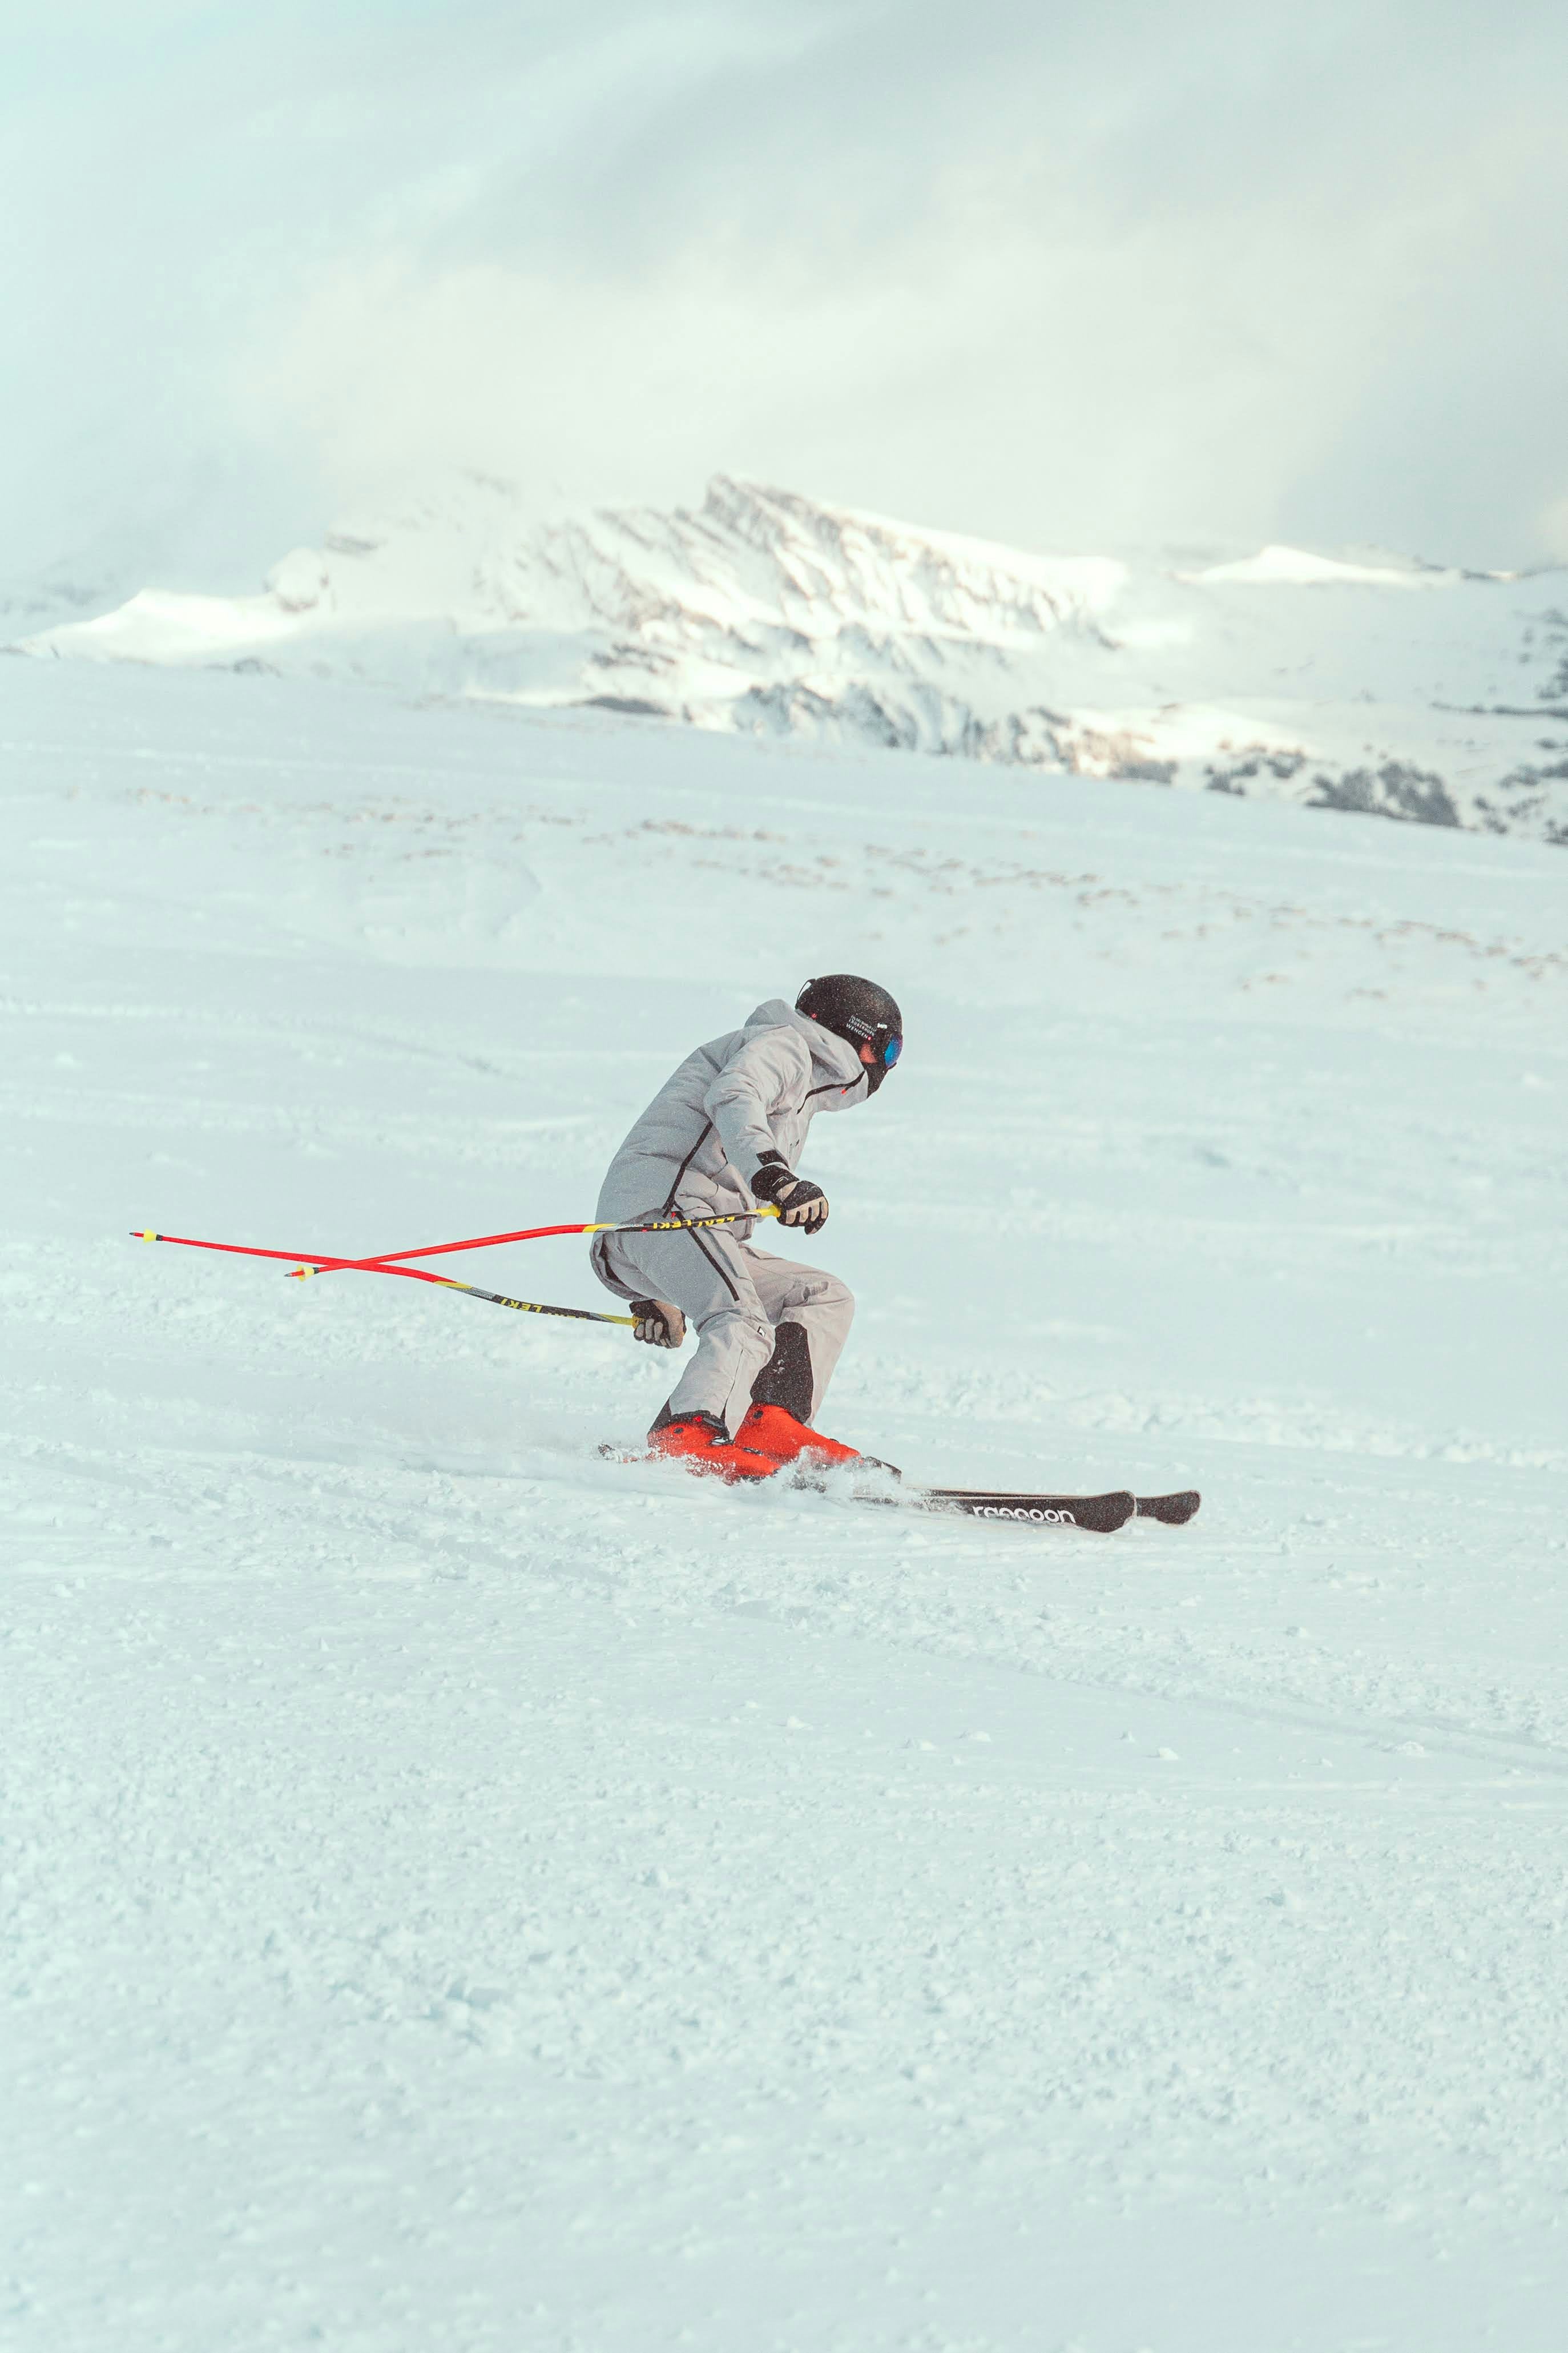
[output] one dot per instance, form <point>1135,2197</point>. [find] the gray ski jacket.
<point>700,1141</point>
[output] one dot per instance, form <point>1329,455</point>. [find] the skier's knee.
<point>835,1298</point>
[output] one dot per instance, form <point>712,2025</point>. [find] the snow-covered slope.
<point>461,1895</point>
<point>1365,684</point>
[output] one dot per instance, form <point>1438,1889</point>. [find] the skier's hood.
<point>838,1075</point>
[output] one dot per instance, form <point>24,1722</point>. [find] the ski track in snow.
<point>460,1894</point>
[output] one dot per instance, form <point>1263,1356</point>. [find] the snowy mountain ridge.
<point>1285,674</point>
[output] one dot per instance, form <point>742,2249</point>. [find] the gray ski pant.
<point>733,1296</point>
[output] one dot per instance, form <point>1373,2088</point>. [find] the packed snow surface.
<point>1285,675</point>
<point>464,1895</point>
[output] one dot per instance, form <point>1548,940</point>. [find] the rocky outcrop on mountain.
<point>1373,683</point>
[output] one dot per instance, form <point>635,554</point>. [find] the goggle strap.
<point>887,1044</point>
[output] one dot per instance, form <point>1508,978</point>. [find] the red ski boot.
<point>772,1430</point>
<point>703,1444</point>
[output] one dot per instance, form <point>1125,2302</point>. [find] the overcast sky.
<point>1066,276</point>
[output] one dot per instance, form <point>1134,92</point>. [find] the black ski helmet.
<point>862,1013</point>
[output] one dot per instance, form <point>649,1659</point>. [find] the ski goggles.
<point>886,1042</point>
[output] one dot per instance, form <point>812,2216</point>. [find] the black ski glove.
<point>798,1202</point>
<point>660,1324</point>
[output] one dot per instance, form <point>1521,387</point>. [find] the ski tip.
<point>1173,1510</point>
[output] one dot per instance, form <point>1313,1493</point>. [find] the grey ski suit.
<point>694,1151</point>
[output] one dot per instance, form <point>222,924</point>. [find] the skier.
<point>723,1132</point>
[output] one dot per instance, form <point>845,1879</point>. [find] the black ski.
<point>1100,1512</point>
<point>1104,1514</point>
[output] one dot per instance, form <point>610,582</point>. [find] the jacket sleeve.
<point>772,1068</point>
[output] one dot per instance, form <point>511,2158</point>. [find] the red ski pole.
<point>308,1262</point>
<point>416,1274</point>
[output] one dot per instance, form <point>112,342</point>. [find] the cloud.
<point>1056,274</point>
